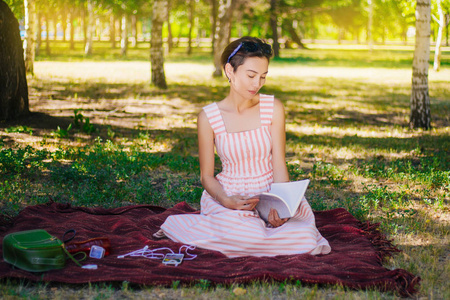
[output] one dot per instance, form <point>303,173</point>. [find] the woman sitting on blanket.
<point>247,129</point>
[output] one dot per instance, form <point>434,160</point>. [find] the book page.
<point>284,197</point>
<point>291,192</point>
<point>268,201</point>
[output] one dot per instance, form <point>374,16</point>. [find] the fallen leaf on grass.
<point>239,291</point>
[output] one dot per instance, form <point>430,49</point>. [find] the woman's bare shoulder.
<point>278,106</point>
<point>201,114</point>
<point>202,118</point>
<point>277,101</point>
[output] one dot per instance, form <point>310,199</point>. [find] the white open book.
<point>285,197</point>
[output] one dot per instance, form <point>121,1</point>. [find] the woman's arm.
<point>280,172</point>
<point>206,158</point>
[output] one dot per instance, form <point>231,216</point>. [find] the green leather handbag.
<point>34,251</point>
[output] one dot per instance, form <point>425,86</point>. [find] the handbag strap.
<point>66,240</point>
<point>71,257</point>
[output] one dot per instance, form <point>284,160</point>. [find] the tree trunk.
<point>369,25</point>
<point>178,38</point>
<point>341,35</point>
<point>119,26</point>
<point>437,49</point>
<point>98,29</point>
<point>30,35</point>
<point>64,23</point>
<point>169,28</point>
<point>156,46</point>
<point>420,99</point>
<point>47,35</point>
<point>38,34</point>
<point>133,31</point>
<point>405,34</point>
<point>13,79</point>
<point>191,6</point>
<point>222,36</point>
<point>447,21</point>
<point>85,26</point>
<point>213,24</point>
<point>124,36</point>
<point>293,33</point>
<point>112,29</point>
<point>313,29</point>
<point>238,17</point>
<point>55,26</point>
<point>72,30</point>
<point>274,26</point>
<point>89,15</point>
<point>200,32</point>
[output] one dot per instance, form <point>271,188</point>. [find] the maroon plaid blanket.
<point>354,262</point>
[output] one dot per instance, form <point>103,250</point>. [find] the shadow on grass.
<point>91,92</point>
<point>127,108</point>
<point>342,103</point>
<point>182,141</point>
<point>426,143</point>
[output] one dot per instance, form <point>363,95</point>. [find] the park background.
<point>102,133</point>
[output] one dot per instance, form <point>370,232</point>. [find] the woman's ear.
<point>229,71</point>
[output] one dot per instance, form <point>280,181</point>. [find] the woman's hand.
<point>239,202</point>
<point>274,219</point>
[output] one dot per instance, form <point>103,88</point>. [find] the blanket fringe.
<point>405,283</point>
<point>381,243</point>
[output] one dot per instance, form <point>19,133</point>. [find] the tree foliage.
<point>296,19</point>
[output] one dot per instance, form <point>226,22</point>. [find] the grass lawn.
<point>101,135</point>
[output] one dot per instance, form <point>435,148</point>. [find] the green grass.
<point>356,55</point>
<point>100,135</point>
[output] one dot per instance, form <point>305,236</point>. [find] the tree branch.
<point>436,20</point>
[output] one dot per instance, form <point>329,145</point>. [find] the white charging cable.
<point>154,254</point>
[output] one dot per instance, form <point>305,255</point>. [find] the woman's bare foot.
<point>159,234</point>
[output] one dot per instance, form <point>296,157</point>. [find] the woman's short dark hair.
<point>237,51</point>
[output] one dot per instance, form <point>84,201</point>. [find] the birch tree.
<point>156,47</point>
<point>437,50</point>
<point>38,33</point>
<point>191,11</point>
<point>213,18</point>
<point>222,32</point>
<point>134,37</point>
<point>124,35</point>
<point>370,25</point>
<point>169,27</point>
<point>112,29</point>
<point>274,26</point>
<point>72,29</point>
<point>90,27</point>
<point>30,35</point>
<point>420,98</point>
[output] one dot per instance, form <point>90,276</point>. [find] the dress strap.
<point>215,118</point>
<point>266,109</point>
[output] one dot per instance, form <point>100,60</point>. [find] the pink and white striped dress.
<point>246,170</point>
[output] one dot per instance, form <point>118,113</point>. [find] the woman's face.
<point>250,76</point>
